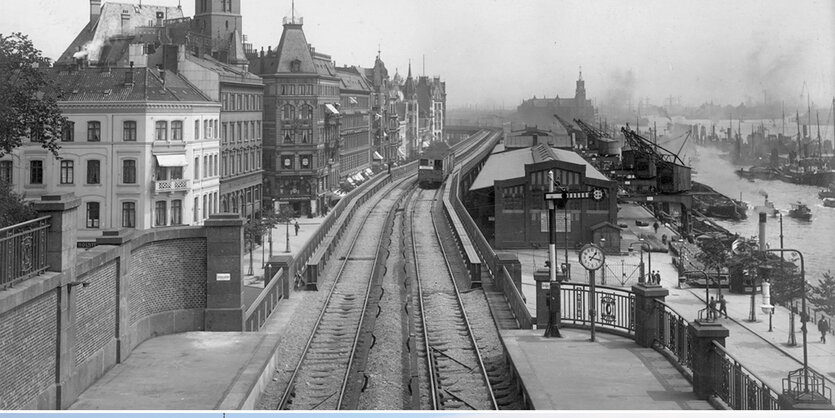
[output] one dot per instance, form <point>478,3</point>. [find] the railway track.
<point>326,359</point>
<point>455,377</point>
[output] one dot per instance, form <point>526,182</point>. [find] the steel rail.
<point>430,357</point>
<point>291,383</point>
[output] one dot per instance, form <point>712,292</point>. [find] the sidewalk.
<point>307,228</point>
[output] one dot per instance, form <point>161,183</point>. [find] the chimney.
<point>160,18</point>
<point>95,9</point>
<point>129,75</point>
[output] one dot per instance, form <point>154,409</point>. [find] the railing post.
<point>63,230</point>
<point>282,262</point>
<point>646,313</point>
<point>224,273</point>
<point>705,363</point>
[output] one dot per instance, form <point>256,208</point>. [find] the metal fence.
<point>23,251</point>
<point>615,307</point>
<point>673,336</point>
<point>741,389</point>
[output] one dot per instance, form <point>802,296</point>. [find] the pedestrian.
<point>711,313</point>
<point>658,277</point>
<point>823,327</point>
<point>655,226</point>
<point>723,306</point>
<point>296,226</point>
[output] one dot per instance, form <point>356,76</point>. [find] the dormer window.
<point>295,66</point>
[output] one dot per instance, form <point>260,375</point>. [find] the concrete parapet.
<point>706,365</point>
<point>224,273</point>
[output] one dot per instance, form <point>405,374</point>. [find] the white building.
<point>141,151</point>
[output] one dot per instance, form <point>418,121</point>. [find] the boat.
<point>767,207</point>
<point>762,173</point>
<point>800,211</point>
<point>829,202</point>
<point>828,192</point>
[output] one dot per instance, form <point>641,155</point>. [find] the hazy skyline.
<point>499,52</point>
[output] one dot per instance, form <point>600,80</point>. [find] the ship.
<point>762,173</point>
<point>800,211</point>
<point>767,207</point>
<point>829,202</point>
<point>828,192</point>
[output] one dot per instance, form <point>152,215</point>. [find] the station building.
<point>507,199</point>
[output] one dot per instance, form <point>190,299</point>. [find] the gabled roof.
<point>511,164</point>
<point>351,79</point>
<point>103,85</point>
<point>292,47</point>
<point>99,32</point>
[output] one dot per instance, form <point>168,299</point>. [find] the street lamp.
<point>707,292</point>
<point>271,228</point>
<point>642,243</point>
<point>803,316</point>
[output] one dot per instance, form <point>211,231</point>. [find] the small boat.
<point>829,202</point>
<point>800,211</point>
<point>767,207</point>
<point>828,192</point>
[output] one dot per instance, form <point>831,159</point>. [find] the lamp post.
<point>271,228</point>
<point>642,243</point>
<point>707,291</point>
<point>803,316</point>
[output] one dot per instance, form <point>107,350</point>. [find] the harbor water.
<point>814,238</point>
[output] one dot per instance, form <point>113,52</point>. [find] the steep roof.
<point>511,164</point>
<point>99,32</point>
<point>292,46</point>
<point>351,79</point>
<point>103,85</point>
<point>223,69</point>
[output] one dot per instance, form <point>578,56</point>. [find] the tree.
<point>714,256</point>
<point>13,210</point>
<point>28,107</point>
<point>823,295</point>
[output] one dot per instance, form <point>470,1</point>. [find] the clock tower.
<point>219,20</point>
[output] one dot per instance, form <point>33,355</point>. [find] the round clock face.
<point>592,257</point>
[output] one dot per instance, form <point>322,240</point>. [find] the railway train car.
<point>436,163</point>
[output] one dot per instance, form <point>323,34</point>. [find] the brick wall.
<point>96,315</point>
<point>167,275</point>
<point>27,350</point>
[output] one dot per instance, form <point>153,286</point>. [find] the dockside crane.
<point>649,160</point>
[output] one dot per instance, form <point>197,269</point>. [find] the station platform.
<point>612,373</point>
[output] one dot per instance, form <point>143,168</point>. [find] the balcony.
<point>168,186</point>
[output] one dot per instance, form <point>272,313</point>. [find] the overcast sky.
<point>498,52</point>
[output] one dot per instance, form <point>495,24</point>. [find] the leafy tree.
<point>28,106</point>
<point>823,295</point>
<point>714,255</point>
<point>13,210</point>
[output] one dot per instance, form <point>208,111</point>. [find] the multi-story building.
<point>355,152</point>
<point>540,111</point>
<point>385,123</point>
<point>431,94</point>
<point>301,121</point>
<point>208,51</point>
<point>415,133</point>
<point>140,150</point>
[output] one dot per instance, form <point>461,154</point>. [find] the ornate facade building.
<point>301,121</point>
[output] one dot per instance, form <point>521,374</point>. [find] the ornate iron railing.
<point>615,307</point>
<point>673,336</point>
<point>740,388</point>
<point>178,185</point>
<point>23,251</point>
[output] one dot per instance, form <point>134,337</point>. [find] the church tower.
<point>219,20</point>
<point>580,92</point>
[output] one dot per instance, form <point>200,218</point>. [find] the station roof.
<point>511,164</point>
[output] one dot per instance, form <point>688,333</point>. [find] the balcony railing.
<point>740,388</point>
<point>178,185</point>
<point>23,251</point>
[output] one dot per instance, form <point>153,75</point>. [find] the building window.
<point>287,162</point>
<point>129,171</point>
<point>67,171</point>
<point>224,135</point>
<point>196,168</point>
<point>176,212</point>
<point>93,131</point>
<point>162,130</point>
<point>93,170</point>
<point>68,132</point>
<point>196,209</point>
<point>240,132</point>
<point>288,112</point>
<point>205,208</point>
<point>161,218</point>
<point>177,130</point>
<point>6,171</point>
<point>205,129</point>
<point>196,129</point>
<point>93,215</point>
<point>129,131</point>
<point>36,172</point>
<point>129,215</point>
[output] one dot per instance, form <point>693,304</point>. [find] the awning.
<point>331,109</point>
<point>377,156</point>
<point>369,172</point>
<point>358,177</point>
<point>402,154</point>
<point>178,160</point>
